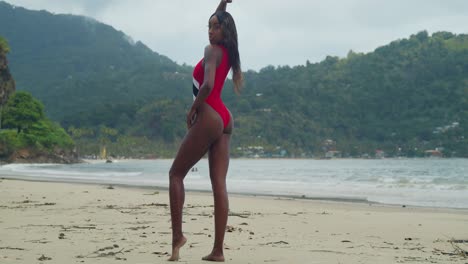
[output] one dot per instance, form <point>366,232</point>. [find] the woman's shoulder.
<point>214,50</point>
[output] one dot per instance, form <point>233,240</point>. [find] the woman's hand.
<point>191,117</point>
<point>222,5</point>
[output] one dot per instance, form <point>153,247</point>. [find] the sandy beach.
<point>45,222</point>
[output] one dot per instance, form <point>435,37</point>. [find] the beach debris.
<point>107,248</point>
<point>420,248</point>
<point>408,238</point>
<point>100,253</point>
<point>192,245</point>
<point>281,242</point>
<point>458,241</point>
<point>61,236</point>
<point>457,248</point>
<point>243,223</point>
<point>161,254</point>
<point>241,215</point>
<point>345,241</point>
<point>110,187</point>
<point>154,193</point>
<point>441,252</point>
<point>286,213</point>
<point>11,248</point>
<point>66,228</point>
<point>156,204</point>
<point>138,228</point>
<point>42,258</point>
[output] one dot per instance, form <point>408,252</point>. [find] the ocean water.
<point>417,182</point>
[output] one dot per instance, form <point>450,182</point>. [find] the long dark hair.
<point>230,42</point>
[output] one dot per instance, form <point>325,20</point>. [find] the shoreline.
<point>350,200</point>
<point>91,223</point>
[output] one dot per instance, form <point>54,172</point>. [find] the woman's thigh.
<point>197,141</point>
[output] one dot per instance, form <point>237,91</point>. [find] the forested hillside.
<point>78,64</point>
<point>26,134</point>
<point>404,98</point>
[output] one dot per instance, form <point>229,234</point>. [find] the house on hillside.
<point>435,153</point>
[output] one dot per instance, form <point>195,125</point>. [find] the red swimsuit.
<point>214,98</point>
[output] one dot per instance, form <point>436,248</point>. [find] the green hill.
<point>404,98</point>
<point>77,64</point>
<point>411,94</point>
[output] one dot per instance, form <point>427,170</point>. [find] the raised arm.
<point>222,5</point>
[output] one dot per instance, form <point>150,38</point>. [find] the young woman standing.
<point>210,127</point>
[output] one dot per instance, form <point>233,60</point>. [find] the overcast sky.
<point>271,32</point>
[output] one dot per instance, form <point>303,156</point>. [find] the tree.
<point>4,48</point>
<point>21,111</point>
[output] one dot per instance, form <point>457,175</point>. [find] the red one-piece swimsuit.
<point>214,98</point>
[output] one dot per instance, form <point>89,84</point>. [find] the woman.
<point>210,126</point>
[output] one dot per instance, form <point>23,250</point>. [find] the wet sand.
<point>46,222</point>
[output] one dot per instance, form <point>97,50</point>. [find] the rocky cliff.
<point>7,84</point>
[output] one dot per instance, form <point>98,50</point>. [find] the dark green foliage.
<point>22,111</point>
<point>25,125</point>
<point>162,119</point>
<point>46,134</point>
<point>63,56</point>
<point>403,98</point>
<point>4,47</point>
<point>393,98</point>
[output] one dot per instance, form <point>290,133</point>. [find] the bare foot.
<point>175,249</point>
<point>214,257</point>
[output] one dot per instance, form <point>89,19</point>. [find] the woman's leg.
<point>219,163</point>
<point>195,144</point>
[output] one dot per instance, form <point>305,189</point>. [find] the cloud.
<point>271,32</point>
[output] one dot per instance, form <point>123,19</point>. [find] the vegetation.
<point>404,98</point>
<point>22,111</point>
<point>25,126</point>
<point>4,48</point>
